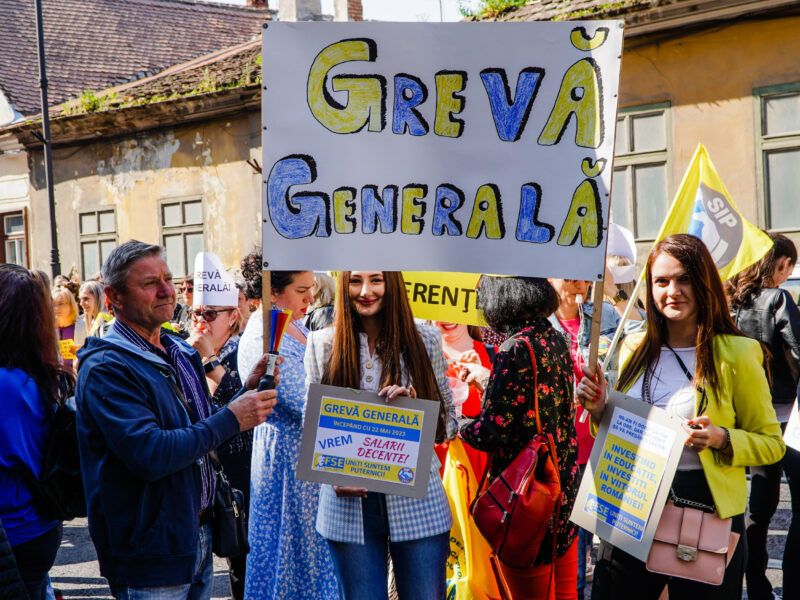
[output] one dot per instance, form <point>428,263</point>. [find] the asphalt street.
<point>77,575</point>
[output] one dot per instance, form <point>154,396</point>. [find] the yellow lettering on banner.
<point>344,207</point>
<point>580,95</point>
<point>366,98</point>
<point>583,41</point>
<point>585,217</point>
<point>449,103</point>
<point>413,210</point>
<point>450,297</point>
<point>487,213</point>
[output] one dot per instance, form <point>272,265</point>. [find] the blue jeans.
<point>362,569</point>
<point>199,589</point>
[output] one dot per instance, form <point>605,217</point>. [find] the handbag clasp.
<point>686,553</point>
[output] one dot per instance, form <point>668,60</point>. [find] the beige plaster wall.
<point>134,174</point>
<point>709,78</point>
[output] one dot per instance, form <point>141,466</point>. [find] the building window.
<point>779,148</point>
<point>182,234</point>
<point>98,237</point>
<point>641,156</point>
<point>15,243</point>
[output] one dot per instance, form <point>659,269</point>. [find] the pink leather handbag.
<point>692,544</point>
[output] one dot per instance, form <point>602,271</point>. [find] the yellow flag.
<point>703,207</point>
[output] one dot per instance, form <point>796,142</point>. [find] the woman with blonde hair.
<point>93,302</point>
<point>72,331</point>
<point>215,324</point>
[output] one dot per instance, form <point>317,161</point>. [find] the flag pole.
<point>623,319</point>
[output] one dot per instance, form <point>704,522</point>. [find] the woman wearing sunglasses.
<point>213,334</point>
<point>696,364</point>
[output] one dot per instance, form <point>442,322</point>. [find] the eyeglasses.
<point>209,316</point>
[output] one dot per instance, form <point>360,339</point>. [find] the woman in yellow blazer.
<point>694,363</point>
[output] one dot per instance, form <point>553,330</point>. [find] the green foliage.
<point>589,12</point>
<point>89,102</point>
<point>490,7</point>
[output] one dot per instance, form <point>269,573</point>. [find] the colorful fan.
<point>279,322</point>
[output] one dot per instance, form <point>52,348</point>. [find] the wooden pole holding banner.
<point>266,292</point>
<point>594,344</point>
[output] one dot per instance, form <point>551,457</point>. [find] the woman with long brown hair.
<point>30,374</point>
<point>694,363</point>
<point>765,312</point>
<point>374,345</point>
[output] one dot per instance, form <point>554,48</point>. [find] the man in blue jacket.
<point>145,428</point>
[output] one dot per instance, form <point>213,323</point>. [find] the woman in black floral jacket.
<point>519,306</point>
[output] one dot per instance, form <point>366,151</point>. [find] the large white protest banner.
<point>464,147</point>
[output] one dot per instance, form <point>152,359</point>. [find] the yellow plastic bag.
<point>469,572</point>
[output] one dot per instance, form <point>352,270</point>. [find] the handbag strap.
<point>484,483</point>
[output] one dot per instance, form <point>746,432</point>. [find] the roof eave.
<point>76,129</point>
<point>696,13</point>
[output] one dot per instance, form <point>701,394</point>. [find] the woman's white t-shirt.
<point>671,390</point>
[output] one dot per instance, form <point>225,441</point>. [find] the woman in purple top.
<point>30,368</point>
<point>71,329</point>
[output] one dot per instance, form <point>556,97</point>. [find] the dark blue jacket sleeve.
<point>127,416</point>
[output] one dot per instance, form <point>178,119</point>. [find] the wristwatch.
<point>620,296</point>
<point>211,365</point>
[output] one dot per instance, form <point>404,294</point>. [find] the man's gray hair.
<point>118,263</point>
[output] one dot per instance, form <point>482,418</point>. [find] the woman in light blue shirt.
<point>374,345</point>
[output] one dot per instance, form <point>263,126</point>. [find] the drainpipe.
<point>55,262</point>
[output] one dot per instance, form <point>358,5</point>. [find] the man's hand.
<point>253,407</point>
<point>258,372</point>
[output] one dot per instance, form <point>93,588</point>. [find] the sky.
<point>397,10</point>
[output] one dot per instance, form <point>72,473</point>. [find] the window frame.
<point>96,237</point>
<point>25,236</point>
<point>183,229</point>
<point>649,157</point>
<point>766,143</point>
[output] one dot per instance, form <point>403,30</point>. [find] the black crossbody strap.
<point>689,376</point>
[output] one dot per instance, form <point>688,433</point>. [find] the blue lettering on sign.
<point>330,462</point>
<point>529,228</point>
<point>300,214</point>
<point>619,519</point>
<point>510,116</point>
<point>342,440</point>
<point>409,92</point>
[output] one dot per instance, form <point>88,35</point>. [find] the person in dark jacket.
<point>145,427</point>
<point>11,585</point>
<point>768,314</point>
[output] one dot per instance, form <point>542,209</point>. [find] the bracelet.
<point>211,365</point>
<point>727,441</point>
<point>210,358</point>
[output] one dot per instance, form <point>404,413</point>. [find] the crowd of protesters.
<point>158,384</point>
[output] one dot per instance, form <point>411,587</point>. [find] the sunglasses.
<point>187,288</point>
<point>209,316</point>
